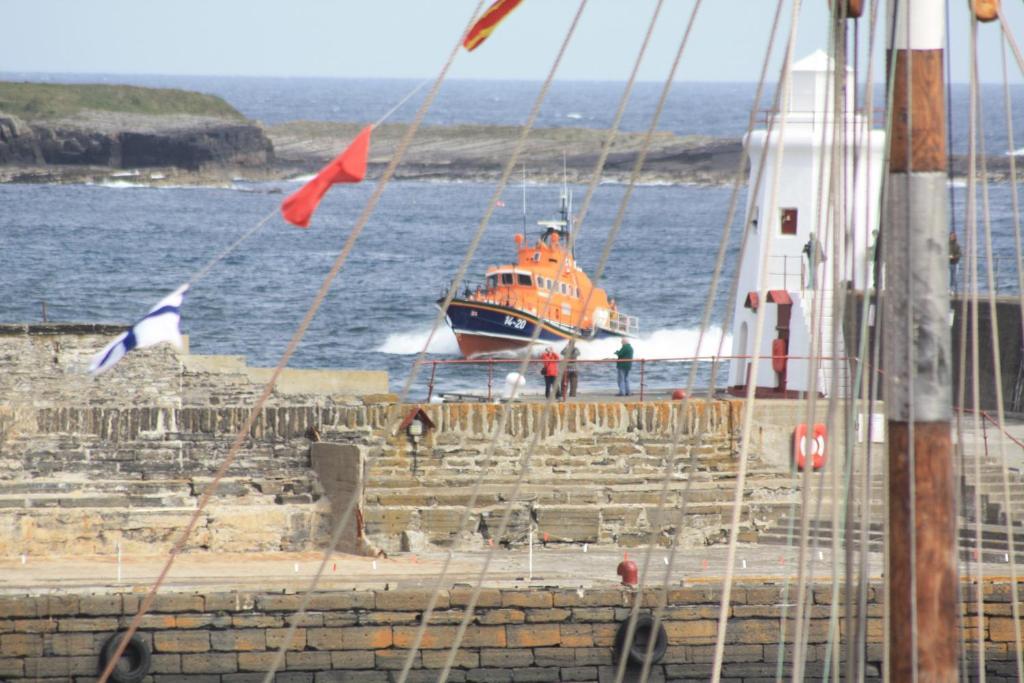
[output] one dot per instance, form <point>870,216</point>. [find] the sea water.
<point>107,253</point>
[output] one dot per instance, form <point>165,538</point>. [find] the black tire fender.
<point>641,637</point>
<point>134,663</point>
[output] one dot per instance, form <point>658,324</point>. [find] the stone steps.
<point>571,521</point>
<point>572,492</point>
<point>164,493</point>
<point>994,544</point>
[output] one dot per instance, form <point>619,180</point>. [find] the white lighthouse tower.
<point>796,237</point>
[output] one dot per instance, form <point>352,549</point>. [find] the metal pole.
<point>642,361</point>
<point>490,377</point>
<point>430,385</point>
<point>923,580</point>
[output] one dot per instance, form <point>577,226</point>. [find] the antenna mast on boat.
<point>922,572</point>
<point>567,202</point>
<point>524,199</point>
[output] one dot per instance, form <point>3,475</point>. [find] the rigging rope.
<point>708,309</point>
<point>997,368</point>
<point>340,260</point>
<point>804,578</point>
<point>546,410</point>
<point>1011,147</point>
<point>800,638</point>
<point>865,377</point>
<point>784,87</point>
<point>438,321</point>
<point>346,249</point>
<point>971,225</point>
<point>205,270</point>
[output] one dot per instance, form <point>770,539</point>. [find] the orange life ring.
<point>818,443</point>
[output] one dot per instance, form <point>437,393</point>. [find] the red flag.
<point>485,25</point>
<point>347,167</point>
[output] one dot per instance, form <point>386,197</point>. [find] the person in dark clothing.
<point>571,380</point>
<point>625,356</point>
<point>954,260</point>
<point>549,370</point>
<point>815,254</point>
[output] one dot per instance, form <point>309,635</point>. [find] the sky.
<point>411,38</point>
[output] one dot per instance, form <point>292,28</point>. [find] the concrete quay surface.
<point>293,572</point>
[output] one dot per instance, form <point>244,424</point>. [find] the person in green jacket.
<point>625,356</point>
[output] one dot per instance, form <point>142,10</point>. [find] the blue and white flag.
<point>159,325</point>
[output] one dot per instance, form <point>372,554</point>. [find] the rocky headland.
<point>96,133</point>
<point>71,133</point>
<point>474,152</point>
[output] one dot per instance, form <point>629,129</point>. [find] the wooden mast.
<point>922,571</point>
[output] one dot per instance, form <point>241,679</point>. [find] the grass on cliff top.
<point>55,100</point>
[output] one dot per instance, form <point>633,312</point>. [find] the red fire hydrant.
<point>627,570</point>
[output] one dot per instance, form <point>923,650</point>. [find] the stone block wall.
<point>593,473</point>
<point>539,634</point>
<point>46,365</point>
<point>91,465</point>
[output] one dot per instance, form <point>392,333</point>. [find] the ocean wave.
<point>410,343</point>
<point>659,344</point>
<point>647,183</point>
<point>117,184</point>
<point>670,342</point>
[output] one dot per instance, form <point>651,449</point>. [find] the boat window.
<point>577,292</point>
<point>525,279</point>
<point>565,289</point>
<point>506,278</point>
<point>788,220</point>
<point>492,281</point>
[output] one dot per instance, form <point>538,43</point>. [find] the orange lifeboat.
<point>544,288</point>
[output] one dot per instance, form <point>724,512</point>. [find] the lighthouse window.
<point>788,221</point>
<point>524,279</point>
<point>506,278</point>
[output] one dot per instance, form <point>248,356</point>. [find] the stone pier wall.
<point>121,461</point>
<point>93,465</point>
<point>540,634</point>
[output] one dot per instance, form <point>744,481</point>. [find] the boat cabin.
<point>546,282</point>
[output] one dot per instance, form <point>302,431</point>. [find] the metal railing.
<point>534,363</point>
<point>628,325</point>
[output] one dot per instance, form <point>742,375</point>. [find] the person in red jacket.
<point>549,369</point>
